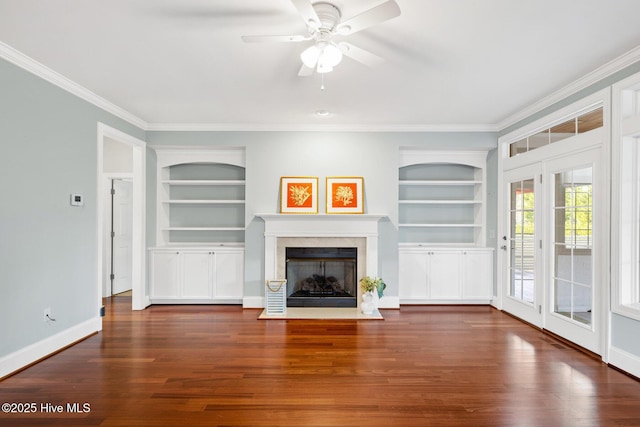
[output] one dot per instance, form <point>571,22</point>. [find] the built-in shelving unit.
<point>441,197</point>
<point>199,253</point>
<point>441,211</point>
<point>201,197</point>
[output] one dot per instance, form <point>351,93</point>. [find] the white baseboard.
<point>624,360</point>
<point>445,302</point>
<point>389,302</point>
<point>253,302</point>
<point>36,351</point>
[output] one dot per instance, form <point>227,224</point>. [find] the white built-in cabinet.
<point>445,275</point>
<point>200,215</point>
<point>189,275</point>
<point>441,210</point>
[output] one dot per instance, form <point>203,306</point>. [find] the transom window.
<point>580,123</point>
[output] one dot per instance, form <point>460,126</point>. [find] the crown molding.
<point>248,127</point>
<point>31,65</point>
<point>600,73</point>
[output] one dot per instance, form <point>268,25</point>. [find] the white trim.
<point>38,350</point>
<point>253,302</point>
<point>140,299</point>
<point>314,127</point>
<point>485,301</point>
<point>175,155</point>
<point>606,70</point>
<point>625,207</point>
<point>412,156</point>
<point>31,65</point>
<point>389,302</point>
<point>624,360</point>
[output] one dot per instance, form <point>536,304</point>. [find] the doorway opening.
<point>121,158</point>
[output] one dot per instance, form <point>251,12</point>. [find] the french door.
<point>553,249</point>
<point>574,262</point>
<point>519,245</point>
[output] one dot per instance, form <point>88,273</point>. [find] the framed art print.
<point>299,194</point>
<point>345,195</point>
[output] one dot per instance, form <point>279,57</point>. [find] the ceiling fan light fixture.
<point>310,56</point>
<point>331,55</point>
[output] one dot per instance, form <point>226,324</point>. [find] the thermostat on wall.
<point>77,200</point>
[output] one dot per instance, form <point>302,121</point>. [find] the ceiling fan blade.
<point>308,13</point>
<point>305,71</point>
<point>363,56</point>
<point>373,16</point>
<point>260,39</point>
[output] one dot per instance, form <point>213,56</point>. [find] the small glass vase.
<point>367,306</point>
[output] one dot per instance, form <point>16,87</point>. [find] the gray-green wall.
<point>48,252</point>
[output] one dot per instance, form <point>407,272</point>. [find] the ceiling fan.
<point>323,21</point>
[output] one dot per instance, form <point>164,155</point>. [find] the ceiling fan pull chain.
<point>322,82</point>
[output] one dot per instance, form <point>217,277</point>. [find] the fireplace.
<point>318,231</point>
<point>321,276</point>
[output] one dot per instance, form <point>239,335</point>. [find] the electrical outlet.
<point>47,314</point>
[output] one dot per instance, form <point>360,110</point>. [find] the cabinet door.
<point>163,271</point>
<point>229,274</point>
<point>477,280</point>
<point>412,275</point>
<point>444,275</point>
<point>196,274</point>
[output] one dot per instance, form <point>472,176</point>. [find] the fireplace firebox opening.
<point>321,277</point>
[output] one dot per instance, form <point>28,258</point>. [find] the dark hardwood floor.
<point>421,366</point>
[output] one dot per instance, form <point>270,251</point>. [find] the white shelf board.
<point>440,225</point>
<point>203,229</point>
<point>204,202</point>
<point>439,182</point>
<point>211,182</point>
<point>440,202</point>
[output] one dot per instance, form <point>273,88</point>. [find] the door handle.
<point>503,247</point>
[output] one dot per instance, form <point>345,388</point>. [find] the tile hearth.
<point>319,313</point>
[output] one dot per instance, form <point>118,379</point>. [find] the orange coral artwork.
<point>299,194</point>
<point>345,195</point>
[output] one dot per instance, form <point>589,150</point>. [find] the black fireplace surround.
<point>321,277</point>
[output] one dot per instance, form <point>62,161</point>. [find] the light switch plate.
<point>77,200</point>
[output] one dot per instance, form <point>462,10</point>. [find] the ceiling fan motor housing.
<point>329,16</point>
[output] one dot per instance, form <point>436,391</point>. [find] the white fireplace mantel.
<point>321,225</point>
<point>340,226</point>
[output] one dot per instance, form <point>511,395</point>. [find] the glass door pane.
<point>522,246</point>
<point>573,244</point>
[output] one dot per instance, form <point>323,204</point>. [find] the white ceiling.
<point>450,63</point>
